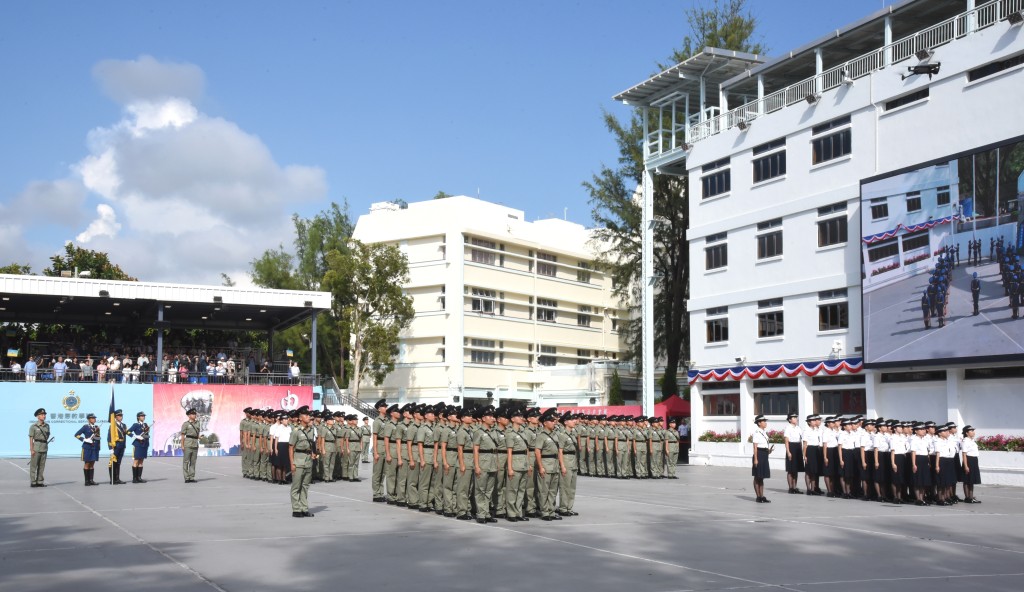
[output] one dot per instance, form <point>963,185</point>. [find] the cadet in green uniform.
<point>464,474</point>
<point>450,447</point>
<point>38,444</point>
<point>485,465</point>
<point>328,443</point>
<point>550,466</point>
<point>671,449</point>
<point>436,476</point>
<point>301,454</point>
<point>413,478</point>
<point>515,467</point>
<point>354,447</point>
<point>530,505</point>
<point>190,431</point>
<point>569,440</point>
<point>425,454</point>
<point>391,456</point>
<point>377,431</point>
<point>402,437</point>
<point>243,442</point>
<point>623,449</point>
<point>588,436</point>
<point>643,448</point>
<point>366,434</point>
<point>657,448</point>
<point>498,500</point>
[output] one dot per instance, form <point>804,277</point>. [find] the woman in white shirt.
<point>849,460</point>
<point>969,455</point>
<point>793,438</point>
<point>883,461</point>
<point>830,440</point>
<point>814,460</point>
<point>919,454</point>
<point>760,470</point>
<point>945,466</point>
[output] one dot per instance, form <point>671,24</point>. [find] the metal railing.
<point>928,39</point>
<point>48,375</point>
<point>334,395</point>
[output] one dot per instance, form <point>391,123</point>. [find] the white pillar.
<point>804,396</point>
<point>871,394</point>
<point>703,99</point>
<point>819,66</point>
<point>647,280</point>
<point>760,95</point>
<point>953,378</point>
<point>723,99</point>
<point>746,426</point>
<point>697,426</point>
<point>887,54</point>
<point>454,304</point>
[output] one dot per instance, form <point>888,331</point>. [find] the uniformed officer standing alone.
<point>38,442</point>
<point>190,431</point>
<point>301,454</point>
<point>140,445</point>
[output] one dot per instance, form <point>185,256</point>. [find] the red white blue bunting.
<point>829,367</point>
<point>908,228</point>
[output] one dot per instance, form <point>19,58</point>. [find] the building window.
<point>879,208</point>
<point>547,310</point>
<point>769,318</point>
<point>918,240</point>
<point>549,359</point>
<point>583,318</point>
<point>832,232</point>
<point>724,404</point>
<point>775,403</point>
<point>773,163</point>
<point>995,68</point>
<point>548,269</point>
<point>482,356</point>
<point>914,201</point>
<point>907,99</point>
<point>840,402</point>
<point>942,196</point>
<point>716,178</point>
<point>718,325</point>
<point>833,310</point>
<point>883,250</point>
<point>769,239</point>
<point>480,255</point>
<point>483,301</point>
<point>615,324</point>
<point>583,356</point>
<point>583,273</point>
<point>716,254</point>
<point>829,146</point>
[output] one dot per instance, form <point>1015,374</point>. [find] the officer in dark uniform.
<point>117,431</point>
<point>940,306</point>
<point>140,445</point>
<point>89,435</point>
<point>1014,292</point>
<point>975,291</point>
<point>926,310</point>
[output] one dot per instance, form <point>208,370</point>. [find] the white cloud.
<point>146,79</point>
<point>105,225</point>
<point>53,202</point>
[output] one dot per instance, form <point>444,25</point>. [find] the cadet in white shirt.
<point>760,470</point>
<point>833,456</point>
<point>867,460</point>
<point>919,454</point>
<point>849,461</point>
<point>971,474</point>
<point>793,439</point>
<point>883,461</point>
<point>814,460</point>
<point>945,466</point>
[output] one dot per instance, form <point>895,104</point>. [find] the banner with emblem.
<point>219,408</point>
<point>66,406</point>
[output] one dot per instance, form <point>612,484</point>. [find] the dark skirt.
<point>833,462</point>
<point>796,463</point>
<point>762,470</point>
<point>923,475</point>
<point>899,474</point>
<point>947,472</point>
<point>140,450</point>
<point>884,468</point>
<point>815,461</point>
<point>851,465</point>
<point>867,469</point>
<point>90,454</point>
<point>974,476</point>
<point>280,460</point>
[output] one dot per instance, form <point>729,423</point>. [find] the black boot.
<point>135,474</point>
<point>141,480</point>
<point>117,474</point>
<point>86,473</point>
<point>90,473</point>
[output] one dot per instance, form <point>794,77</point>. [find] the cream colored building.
<point>503,306</point>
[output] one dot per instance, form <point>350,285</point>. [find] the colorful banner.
<point>66,406</point>
<point>829,367</point>
<point>220,410</point>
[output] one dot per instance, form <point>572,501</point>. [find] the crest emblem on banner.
<point>71,401</point>
<point>290,402</point>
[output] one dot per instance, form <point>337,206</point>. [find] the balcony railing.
<point>937,35</point>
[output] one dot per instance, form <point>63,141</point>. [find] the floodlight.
<point>1015,18</point>
<point>812,98</point>
<point>743,125</point>
<point>923,54</point>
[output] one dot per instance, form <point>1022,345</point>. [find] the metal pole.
<point>158,362</point>
<point>312,345</point>
<point>647,286</point>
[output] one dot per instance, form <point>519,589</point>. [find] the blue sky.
<point>283,107</point>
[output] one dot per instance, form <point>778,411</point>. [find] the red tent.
<point>672,407</point>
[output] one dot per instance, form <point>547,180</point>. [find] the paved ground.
<point>702,532</point>
<point>894,329</point>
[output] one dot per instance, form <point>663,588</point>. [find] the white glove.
<point>88,440</point>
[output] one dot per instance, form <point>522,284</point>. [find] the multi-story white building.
<point>901,119</point>
<point>504,306</point>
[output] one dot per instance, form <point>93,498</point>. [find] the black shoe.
<point>307,514</point>
<point>512,519</point>
<point>412,507</point>
<point>547,518</point>
<point>571,513</point>
<point>920,503</point>
<point>524,519</point>
<point>378,499</point>
<point>425,509</point>
<point>355,480</point>
<point>119,482</point>
<point>481,521</point>
<point>562,513</point>
<point>556,517</point>
<point>448,514</point>
<point>492,519</point>
<point>533,514</point>
<point>439,512</point>
<point>390,502</point>
<point>401,504</point>
<point>464,517</point>
<point>296,514</point>
<point>758,500</point>
<point>797,491</point>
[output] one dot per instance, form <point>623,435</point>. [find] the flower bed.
<point>882,270</point>
<point>710,436</point>
<point>916,258</point>
<point>1001,443</point>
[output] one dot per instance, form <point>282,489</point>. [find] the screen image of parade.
<point>941,252</point>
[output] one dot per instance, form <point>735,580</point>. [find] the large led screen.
<point>941,248</point>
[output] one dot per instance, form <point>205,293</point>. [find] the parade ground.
<point>894,329</point>
<point>701,532</point>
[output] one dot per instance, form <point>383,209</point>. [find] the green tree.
<point>441,195</point>
<point>616,210</point>
<point>326,232</point>
<point>97,263</point>
<point>16,269</point>
<point>615,389</point>
<point>226,280</point>
<point>366,283</point>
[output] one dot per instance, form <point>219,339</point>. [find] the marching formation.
<point>873,459</point>
<point>626,447</point>
<point>487,463</point>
